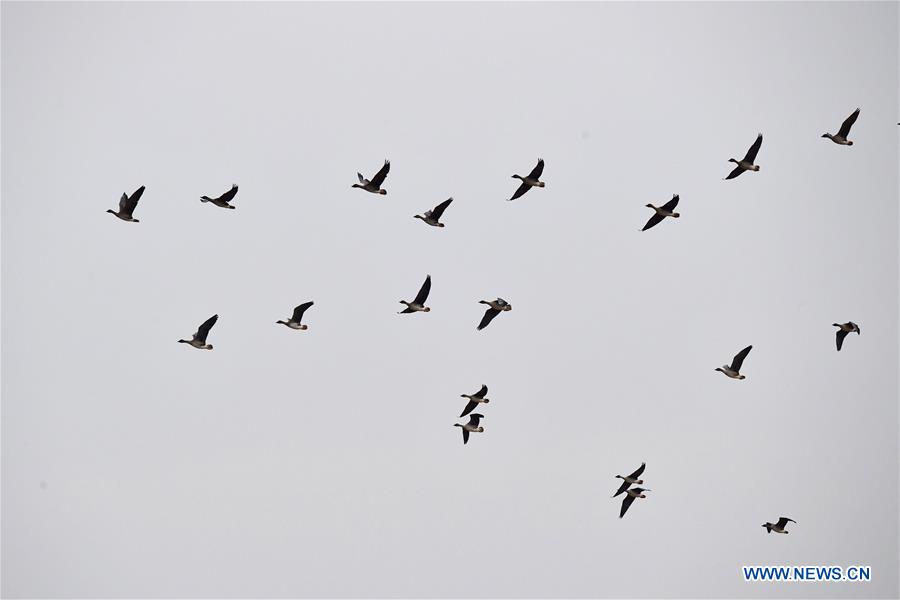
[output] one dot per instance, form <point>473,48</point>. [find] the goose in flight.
<point>433,216</point>
<point>418,304</point>
<point>474,400</point>
<point>531,180</point>
<point>374,185</point>
<point>294,321</point>
<point>630,495</point>
<point>778,527</point>
<point>734,370</point>
<point>223,200</point>
<point>661,212</point>
<point>495,307</point>
<point>127,206</point>
<point>747,163</point>
<point>199,339</point>
<point>630,479</point>
<point>471,426</point>
<point>841,136</point>
<point>843,330</point>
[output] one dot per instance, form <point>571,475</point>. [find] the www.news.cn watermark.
<point>808,573</point>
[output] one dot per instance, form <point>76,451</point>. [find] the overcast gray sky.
<point>325,463</point>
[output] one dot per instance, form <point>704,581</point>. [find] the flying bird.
<point>223,200</point>
<point>471,426</point>
<point>294,321</point>
<point>841,136</point>
<point>531,180</point>
<point>433,216</point>
<point>630,479</point>
<point>418,304</point>
<point>374,185</point>
<point>474,400</point>
<point>199,339</point>
<point>661,212</point>
<point>734,370</point>
<point>630,495</point>
<point>495,307</point>
<point>843,330</point>
<point>127,206</point>
<point>778,527</point>
<point>747,163</point>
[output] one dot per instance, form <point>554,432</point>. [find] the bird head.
<point>382,192</point>
<point>109,210</point>
<point>742,377</point>
<point>205,199</point>
<point>480,429</point>
<point>849,142</point>
<point>649,206</point>
<point>208,347</point>
<point>440,224</point>
<point>427,309</point>
<point>756,167</point>
<point>824,135</point>
<point>517,177</point>
<point>732,160</point>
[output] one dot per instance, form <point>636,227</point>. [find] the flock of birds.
<point>128,204</point>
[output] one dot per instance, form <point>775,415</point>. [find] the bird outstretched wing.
<point>469,408</point>
<point>626,502</point>
<point>638,471</point>
<point>203,330</point>
<point>735,172</point>
<point>739,359</point>
<point>422,296</point>
<point>839,339</point>
<point>127,204</point>
<point>299,310</point>
<point>848,123</point>
<point>520,191</point>
<point>438,210</point>
<point>381,174</point>
<point>489,315</point>
<point>229,195</point>
<point>671,204</point>
<point>537,170</point>
<point>656,219</point>
<point>754,149</point>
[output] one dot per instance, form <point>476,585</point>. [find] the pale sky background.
<point>325,463</point>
